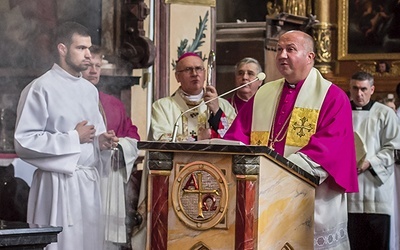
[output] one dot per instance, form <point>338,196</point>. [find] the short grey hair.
<point>362,76</point>
<point>248,60</point>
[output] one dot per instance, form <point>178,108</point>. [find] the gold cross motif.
<point>302,127</point>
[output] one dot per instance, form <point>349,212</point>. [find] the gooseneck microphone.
<point>260,76</point>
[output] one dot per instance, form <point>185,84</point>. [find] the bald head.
<point>295,55</point>
<point>305,39</point>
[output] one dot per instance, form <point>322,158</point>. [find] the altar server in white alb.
<point>61,131</point>
<point>370,209</point>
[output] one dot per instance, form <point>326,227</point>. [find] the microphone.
<point>260,76</point>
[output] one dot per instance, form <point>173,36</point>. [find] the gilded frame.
<point>210,3</point>
<point>344,41</point>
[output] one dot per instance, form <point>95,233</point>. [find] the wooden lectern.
<point>219,196</point>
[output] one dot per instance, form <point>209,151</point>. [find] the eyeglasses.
<point>189,70</point>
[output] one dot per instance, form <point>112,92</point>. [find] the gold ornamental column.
<point>322,33</point>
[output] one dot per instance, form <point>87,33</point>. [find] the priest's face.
<point>361,92</point>
<point>295,57</point>
<point>190,73</point>
<point>244,74</point>
<point>92,73</point>
<point>77,56</point>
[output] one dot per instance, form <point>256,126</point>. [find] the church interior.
<point>141,39</point>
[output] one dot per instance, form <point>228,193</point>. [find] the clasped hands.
<point>107,140</point>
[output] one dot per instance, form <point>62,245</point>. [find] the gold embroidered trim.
<point>259,138</point>
<point>302,126</point>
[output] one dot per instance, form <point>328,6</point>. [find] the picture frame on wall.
<point>368,30</point>
<point>210,3</point>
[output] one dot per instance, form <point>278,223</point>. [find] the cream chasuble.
<point>192,121</point>
<point>166,111</point>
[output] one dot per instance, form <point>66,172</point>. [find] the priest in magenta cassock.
<point>307,119</point>
<point>115,184</point>
<point>246,70</point>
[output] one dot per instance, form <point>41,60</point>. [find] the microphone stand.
<point>260,76</point>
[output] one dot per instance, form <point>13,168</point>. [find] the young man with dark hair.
<point>60,131</point>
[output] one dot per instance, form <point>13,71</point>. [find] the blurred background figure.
<point>389,101</point>
<point>395,220</point>
<point>121,207</point>
<point>246,70</point>
<point>398,99</point>
<point>382,67</point>
<point>370,210</point>
<point>14,193</point>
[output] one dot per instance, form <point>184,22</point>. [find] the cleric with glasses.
<point>208,120</point>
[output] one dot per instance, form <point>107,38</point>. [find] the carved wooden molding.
<point>210,3</point>
<point>135,48</point>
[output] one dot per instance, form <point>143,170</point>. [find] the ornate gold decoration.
<point>293,7</point>
<point>322,36</point>
<point>273,9</point>
<point>343,37</point>
<point>210,3</point>
<point>296,7</point>
<point>302,126</point>
<point>200,195</point>
<point>371,67</point>
<point>259,138</point>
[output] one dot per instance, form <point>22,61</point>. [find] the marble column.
<point>160,165</point>
<point>246,170</point>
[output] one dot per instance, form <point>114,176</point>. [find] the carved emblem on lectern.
<point>200,195</point>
